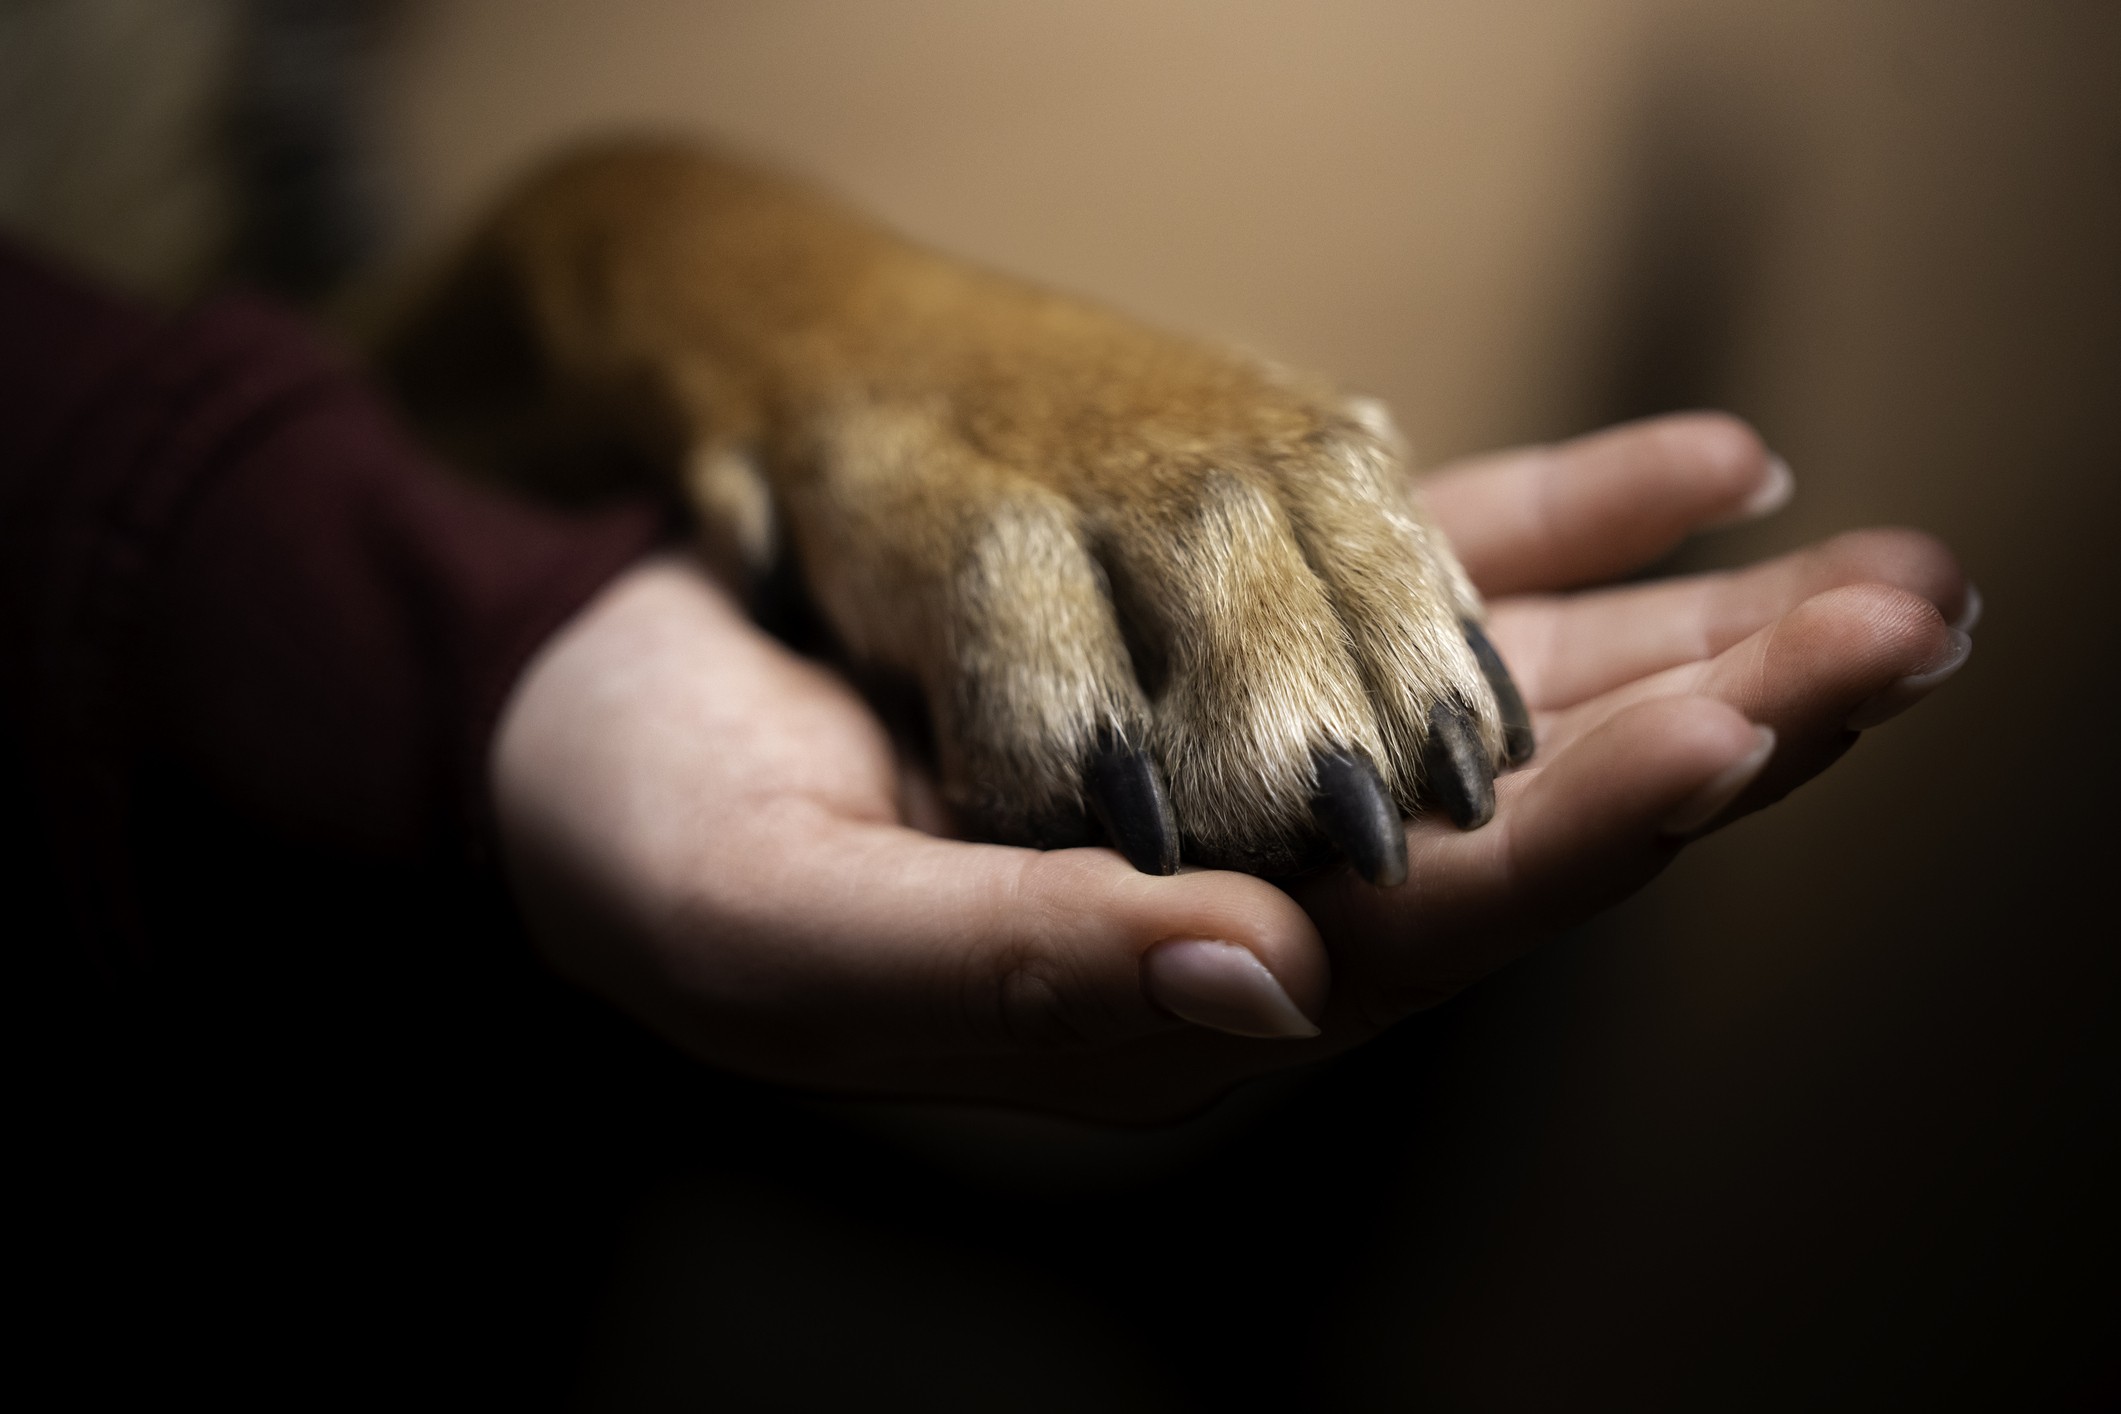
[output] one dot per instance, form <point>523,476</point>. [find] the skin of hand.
<point>718,836</point>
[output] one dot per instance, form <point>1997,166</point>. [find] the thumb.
<point>917,950</point>
<point>984,947</point>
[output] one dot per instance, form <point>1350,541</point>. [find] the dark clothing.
<point>221,556</point>
<point>285,1040</point>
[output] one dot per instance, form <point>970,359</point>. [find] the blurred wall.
<point>109,131</point>
<point>1421,199</point>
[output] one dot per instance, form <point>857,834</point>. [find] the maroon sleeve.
<point>217,548</point>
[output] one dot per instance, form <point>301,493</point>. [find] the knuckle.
<point>1024,999</point>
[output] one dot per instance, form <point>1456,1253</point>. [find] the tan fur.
<point>1059,522</point>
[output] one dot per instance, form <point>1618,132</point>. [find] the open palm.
<point>718,835</point>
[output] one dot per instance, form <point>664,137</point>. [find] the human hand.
<point>718,836</point>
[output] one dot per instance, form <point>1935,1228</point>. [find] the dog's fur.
<point>1070,530</point>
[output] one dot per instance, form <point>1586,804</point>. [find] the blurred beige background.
<point>1827,1117</point>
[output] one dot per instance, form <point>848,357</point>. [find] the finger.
<point>1600,506</point>
<point>1572,836</point>
<point>1570,649</point>
<point>1815,675</point>
<point>1072,947</point>
<point>911,950</point>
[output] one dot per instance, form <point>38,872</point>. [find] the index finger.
<point>1588,510</point>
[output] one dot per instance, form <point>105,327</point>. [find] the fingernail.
<point>1971,614</point>
<point>1773,492</point>
<point>1770,496</point>
<point>1722,788</point>
<point>1223,987</point>
<point>1914,687</point>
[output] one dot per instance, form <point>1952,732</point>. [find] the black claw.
<point>1127,796</point>
<point>1456,767</point>
<point>1351,806</point>
<point>1517,741</point>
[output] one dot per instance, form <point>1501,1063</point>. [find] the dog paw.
<point>1161,596</point>
<point>1150,591</point>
